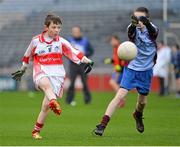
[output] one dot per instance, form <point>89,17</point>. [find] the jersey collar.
<point>42,39</point>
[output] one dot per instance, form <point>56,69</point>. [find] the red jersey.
<point>47,56</point>
<point>116,59</point>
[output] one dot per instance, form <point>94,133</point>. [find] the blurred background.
<point>20,20</point>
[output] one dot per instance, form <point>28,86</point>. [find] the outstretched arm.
<point>25,61</point>
<point>132,28</point>
<point>75,55</point>
<point>131,31</point>
<point>152,30</point>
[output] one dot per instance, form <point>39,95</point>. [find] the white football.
<point>127,51</point>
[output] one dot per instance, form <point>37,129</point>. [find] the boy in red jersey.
<point>118,66</point>
<point>46,50</point>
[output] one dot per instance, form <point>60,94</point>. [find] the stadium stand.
<point>21,19</point>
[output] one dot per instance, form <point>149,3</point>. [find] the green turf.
<point>18,112</point>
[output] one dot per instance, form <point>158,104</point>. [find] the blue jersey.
<point>82,44</point>
<point>146,51</point>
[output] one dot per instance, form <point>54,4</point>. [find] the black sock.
<point>138,113</point>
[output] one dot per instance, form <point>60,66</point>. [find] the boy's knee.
<point>111,81</point>
<point>45,87</point>
<point>121,93</point>
<point>45,108</point>
<point>44,84</point>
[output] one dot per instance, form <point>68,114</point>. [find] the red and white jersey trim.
<point>47,56</point>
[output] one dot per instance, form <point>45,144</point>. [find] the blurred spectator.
<point>116,76</point>
<point>81,43</point>
<point>161,69</point>
<point>118,66</point>
<point>176,65</point>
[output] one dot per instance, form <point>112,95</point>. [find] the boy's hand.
<point>108,61</point>
<point>88,67</point>
<point>18,74</point>
<point>88,64</point>
<point>118,68</point>
<point>134,20</point>
<point>144,20</point>
<point>86,60</point>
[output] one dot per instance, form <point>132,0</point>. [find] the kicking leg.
<point>110,110</point>
<point>114,103</point>
<point>41,119</point>
<point>138,114</point>
<point>114,84</point>
<point>46,86</point>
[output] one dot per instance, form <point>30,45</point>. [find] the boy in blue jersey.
<point>138,73</point>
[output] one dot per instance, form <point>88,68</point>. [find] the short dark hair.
<point>161,41</point>
<point>143,9</point>
<point>115,37</point>
<point>52,18</point>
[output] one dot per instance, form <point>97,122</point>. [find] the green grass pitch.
<point>18,112</point>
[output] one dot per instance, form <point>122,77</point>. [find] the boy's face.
<point>159,45</point>
<point>139,14</point>
<point>114,42</point>
<point>53,30</point>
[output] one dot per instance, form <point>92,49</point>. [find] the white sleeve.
<point>28,53</point>
<point>72,53</point>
